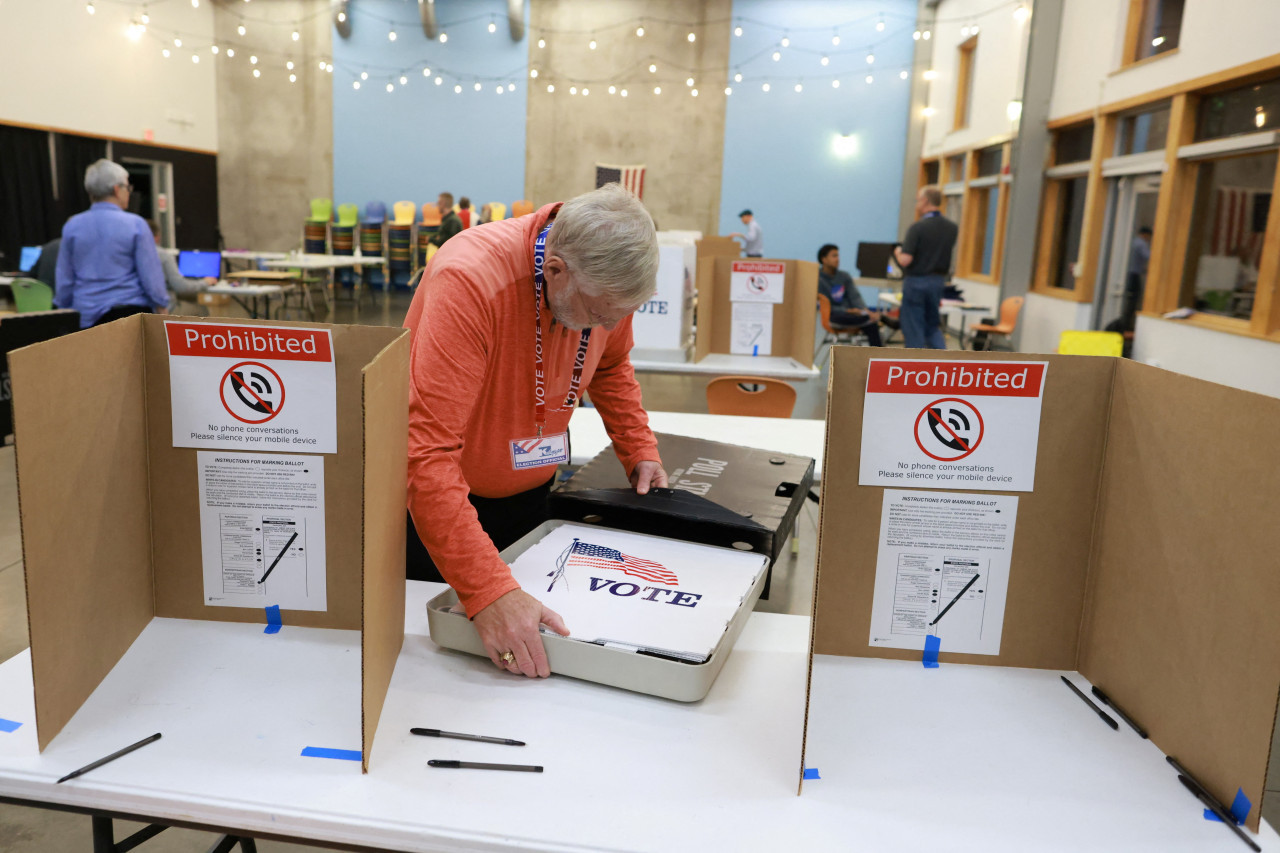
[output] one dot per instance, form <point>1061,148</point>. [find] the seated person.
<point>182,290</point>
<point>107,265</point>
<point>847,308</point>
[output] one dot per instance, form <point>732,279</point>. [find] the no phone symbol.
<point>252,393</point>
<point>949,429</point>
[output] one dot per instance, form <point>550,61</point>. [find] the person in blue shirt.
<point>848,309</point>
<point>753,239</point>
<point>108,267</point>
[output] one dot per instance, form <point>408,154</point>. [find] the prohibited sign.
<point>252,392</point>
<point>949,429</point>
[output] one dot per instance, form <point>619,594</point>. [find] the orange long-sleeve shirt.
<point>472,393</point>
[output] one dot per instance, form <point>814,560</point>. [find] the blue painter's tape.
<point>273,620</point>
<point>1240,808</point>
<point>323,752</point>
<point>755,349</point>
<point>811,773</point>
<point>932,644</point>
<point>8,725</point>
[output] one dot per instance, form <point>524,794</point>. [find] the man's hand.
<point>510,624</point>
<point>646,475</point>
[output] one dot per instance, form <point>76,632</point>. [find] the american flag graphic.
<point>590,556</point>
<point>631,177</point>
<point>1233,226</point>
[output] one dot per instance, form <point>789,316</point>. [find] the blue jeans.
<point>921,322</point>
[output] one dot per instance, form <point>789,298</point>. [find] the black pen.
<point>1216,807</point>
<point>1120,712</point>
<point>506,741</point>
<point>479,765</point>
<point>954,600</point>
<point>112,757</point>
<point>1106,718</point>
<point>1200,790</point>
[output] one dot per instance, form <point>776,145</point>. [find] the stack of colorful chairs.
<point>375,214</point>
<point>497,211</point>
<point>344,239</point>
<point>523,207</point>
<point>315,231</point>
<point>428,228</point>
<point>400,245</point>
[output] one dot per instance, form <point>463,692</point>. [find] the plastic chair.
<point>430,216</point>
<point>497,211</point>
<point>523,207</point>
<point>321,210</point>
<point>750,395</point>
<point>404,211</point>
<point>375,213</point>
<point>1075,342</point>
<point>348,214</point>
<point>31,295</point>
<point>1009,310</point>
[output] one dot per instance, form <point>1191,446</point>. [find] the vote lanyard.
<point>539,372</point>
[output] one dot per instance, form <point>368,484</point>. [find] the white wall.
<point>1045,318</point>
<point>998,69</point>
<point>978,293</point>
<point>1235,360</point>
<point>1215,35</point>
<point>65,68</point>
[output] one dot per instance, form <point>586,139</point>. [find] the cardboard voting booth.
<point>111,505</point>
<point>1142,556</point>
<point>663,326</point>
<point>755,306</point>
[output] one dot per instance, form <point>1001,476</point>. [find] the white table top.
<point>318,262</point>
<point>961,758</point>
<point>246,289</point>
<point>719,364</point>
<point>946,306</point>
<point>797,436</point>
<point>251,255</point>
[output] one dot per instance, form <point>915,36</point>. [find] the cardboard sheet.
<point>793,319</point>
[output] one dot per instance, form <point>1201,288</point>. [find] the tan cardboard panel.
<point>793,318</point>
<point>706,288</point>
<point>1180,628</point>
<point>1054,529</point>
<point>718,247</point>
<point>81,448</point>
<point>802,290</point>
<point>175,490</point>
<point>386,475</point>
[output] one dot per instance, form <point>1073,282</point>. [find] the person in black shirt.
<point>925,258</point>
<point>848,310</point>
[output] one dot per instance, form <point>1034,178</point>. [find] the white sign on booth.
<point>757,281</point>
<point>237,387</point>
<point>952,424</point>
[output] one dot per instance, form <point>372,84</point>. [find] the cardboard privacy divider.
<point>110,508</point>
<point>793,318</point>
<point>1144,558</point>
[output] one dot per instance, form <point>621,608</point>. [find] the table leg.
<point>104,840</point>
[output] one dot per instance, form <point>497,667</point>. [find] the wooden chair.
<point>754,396</point>
<point>1009,310</point>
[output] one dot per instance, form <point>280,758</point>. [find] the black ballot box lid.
<point>721,494</point>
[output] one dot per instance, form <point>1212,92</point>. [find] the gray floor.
<point>27,830</point>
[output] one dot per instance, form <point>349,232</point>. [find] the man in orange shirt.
<point>510,324</point>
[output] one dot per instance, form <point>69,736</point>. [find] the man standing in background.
<point>450,224</point>
<point>753,240</point>
<point>925,258</point>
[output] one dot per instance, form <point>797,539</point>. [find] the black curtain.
<point>28,213</point>
<point>75,155</point>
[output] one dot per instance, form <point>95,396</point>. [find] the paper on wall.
<point>638,591</point>
<point>757,281</point>
<point>752,328</point>
<point>942,568</point>
<point>262,536</point>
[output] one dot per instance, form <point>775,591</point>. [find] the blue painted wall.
<point>423,139</point>
<point>779,158</point>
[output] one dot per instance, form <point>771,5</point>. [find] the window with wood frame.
<point>981,237</point>
<point>1144,130</point>
<point>1063,209</point>
<point>930,171</point>
<point>1154,27</point>
<point>964,82</point>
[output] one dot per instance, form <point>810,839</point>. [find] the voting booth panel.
<point>1141,558</point>
<point>96,440</point>
<point>789,330</point>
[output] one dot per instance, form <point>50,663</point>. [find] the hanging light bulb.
<point>689,81</point>
<point>195,4</point>
<point>640,32</point>
<point>391,35</point>
<point>404,80</point>
<point>533,72</point>
<point>964,31</point>
<point>231,51</point>
<point>825,59</point>
<point>973,30</point>
<point>477,86</point>
<point>871,58</point>
<point>573,90</point>
<point>657,90</point>
<point>551,87</point>
<point>439,81</point>
<point>586,92</point>
<point>134,31</point>
<point>322,65</point>
<point>799,87</point>
<point>870,79</point>
<point>257,72</point>
<point>289,65</point>
<point>328,67</point>
<point>364,75</point>
<point>88,7</point>
<point>693,37</point>
<point>903,75</point>
<point>786,41</point>
<point>444,37</point>
<point>653,69</point>
<point>493,28</point>
<point>880,25</point>
<point>214,50</point>
<point>253,60</point>
<point>240,29</point>
<point>613,90</point>
<point>1021,14</point>
<point>355,84</point>
<point>165,53</point>
<point>501,90</point>
<point>737,31</point>
<point>926,35</point>
<point>835,37</point>
<point>693,92</point>
<point>737,78</point>
<point>728,90</point>
<point>764,88</point>
<point>426,72</point>
<point>776,56</point>
<point>295,35</point>
<point>457,89</point>
<point>542,42</point>
<point>511,87</point>
<point>177,42</point>
<point>623,93</point>
<point>391,87</point>
<point>342,17</point>
<point>146,19</point>
<point>592,44</point>
<point>916,35</point>
<point>293,78</point>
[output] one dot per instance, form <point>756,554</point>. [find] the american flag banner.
<point>631,177</point>
<point>586,555</point>
<point>1234,220</point>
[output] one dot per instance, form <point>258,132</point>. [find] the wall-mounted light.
<point>844,145</point>
<point>1014,110</point>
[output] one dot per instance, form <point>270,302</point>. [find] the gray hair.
<point>102,178</point>
<point>608,238</point>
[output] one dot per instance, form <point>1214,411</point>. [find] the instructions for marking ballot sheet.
<point>262,535</point>
<point>942,568</point>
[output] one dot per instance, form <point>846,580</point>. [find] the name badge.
<point>552,449</point>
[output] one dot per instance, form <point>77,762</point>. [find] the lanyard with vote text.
<point>550,449</point>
